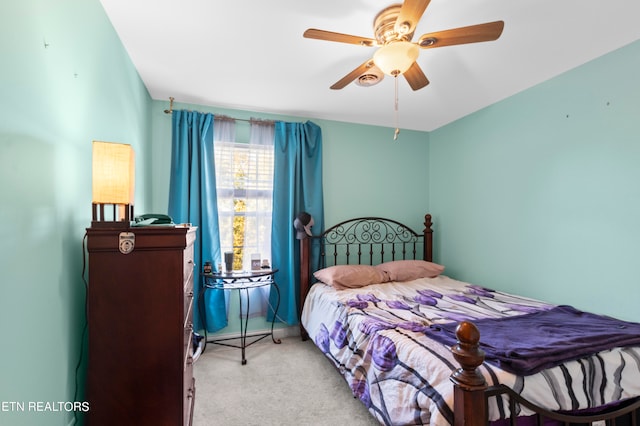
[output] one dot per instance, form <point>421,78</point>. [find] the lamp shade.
<point>395,58</point>
<point>113,173</point>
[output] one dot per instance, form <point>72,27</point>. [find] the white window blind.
<point>244,184</point>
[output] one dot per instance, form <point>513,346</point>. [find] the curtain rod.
<point>222,117</point>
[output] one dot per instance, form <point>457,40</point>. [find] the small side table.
<point>242,281</point>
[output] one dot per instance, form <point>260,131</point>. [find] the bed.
<point>418,347</point>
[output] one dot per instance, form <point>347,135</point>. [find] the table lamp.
<point>113,177</point>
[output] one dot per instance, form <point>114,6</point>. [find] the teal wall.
<point>539,194</point>
<point>56,99</point>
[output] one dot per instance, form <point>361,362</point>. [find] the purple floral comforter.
<point>377,336</point>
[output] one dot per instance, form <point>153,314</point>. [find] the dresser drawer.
<point>187,343</point>
<point>188,262</point>
<point>189,398</point>
<point>188,303</point>
<point>188,282</point>
<point>188,350</point>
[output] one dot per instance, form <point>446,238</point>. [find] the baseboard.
<point>281,333</point>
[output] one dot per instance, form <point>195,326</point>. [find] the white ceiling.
<point>250,54</point>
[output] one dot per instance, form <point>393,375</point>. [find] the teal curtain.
<point>297,187</point>
<point>192,199</point>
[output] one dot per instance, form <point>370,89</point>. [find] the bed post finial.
<point>428,238</point>
<point>469,355</point>
<point>469,385</point>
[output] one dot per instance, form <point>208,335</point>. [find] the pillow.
<point>407,270</point>
<point>351,276</point>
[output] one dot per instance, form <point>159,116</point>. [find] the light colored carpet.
<point>287,384</point>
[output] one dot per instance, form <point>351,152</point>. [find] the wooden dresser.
<point>140,316</point>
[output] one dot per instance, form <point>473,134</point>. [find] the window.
<point>244,184</point>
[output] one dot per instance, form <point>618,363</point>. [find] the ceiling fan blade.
<point>339,37</point>
<point>472,34</point>
<point>352,75</point>
<point>415,77</point>
<point>410,13</point>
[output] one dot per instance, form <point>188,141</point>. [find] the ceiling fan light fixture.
<point>395,58</point>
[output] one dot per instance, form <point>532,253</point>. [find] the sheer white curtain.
<point>224,137</point>
<point>244,177</point>
<point>258,204</point>
<point>224,134</point>
<point>259,194</point>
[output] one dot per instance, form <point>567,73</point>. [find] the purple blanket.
<point>528,343</point>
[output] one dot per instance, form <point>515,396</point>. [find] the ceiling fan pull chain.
<point>395,134</point>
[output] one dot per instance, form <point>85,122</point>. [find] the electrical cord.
<point>84,328</point>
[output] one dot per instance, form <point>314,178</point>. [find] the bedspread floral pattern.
<point>381,332</point>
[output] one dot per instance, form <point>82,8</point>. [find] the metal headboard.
<point>368,240</point>
<point>363,240</point>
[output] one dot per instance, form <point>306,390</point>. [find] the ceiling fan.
<point>393,28</point>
